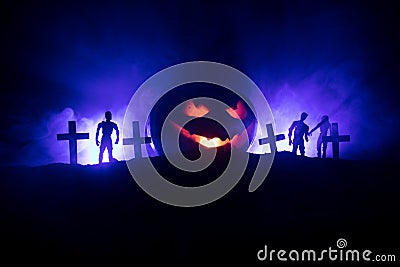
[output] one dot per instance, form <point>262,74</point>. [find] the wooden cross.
<point>136,140</point>
<point>272,138</point>
<point>335,138</point>
<point>72,136</point>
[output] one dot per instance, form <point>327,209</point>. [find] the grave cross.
<point>72,136</point>
<point>272,138</point>
<point>136,140</point>
<point>335,138</point>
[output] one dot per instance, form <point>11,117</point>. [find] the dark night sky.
<point>334,57</point>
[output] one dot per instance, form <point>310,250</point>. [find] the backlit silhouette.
<point>271,139</point>
<point>107,129</point>
<point>324,125</point>
<point>72,136</point>
<point>136,140</point>
<point>300,131</point>
<point>335,138</point>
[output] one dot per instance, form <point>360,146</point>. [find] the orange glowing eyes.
<point>195,111</point>
<point>239,113</point>
<point>200,110</point>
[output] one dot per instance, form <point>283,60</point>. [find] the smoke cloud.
<point>74,62</point>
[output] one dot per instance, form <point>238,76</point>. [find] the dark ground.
<point>98,214</point>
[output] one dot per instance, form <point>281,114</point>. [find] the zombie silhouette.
<point>107,128</point>
<point>300,131</point>
<point>324,125</point>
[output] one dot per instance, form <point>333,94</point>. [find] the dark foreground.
<point>98,214</point>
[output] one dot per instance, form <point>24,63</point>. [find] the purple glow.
<point>74,62</point>
<point>323,92</point>
<point>287,101</point>
<point>330,92</point>
<point>46,149</point>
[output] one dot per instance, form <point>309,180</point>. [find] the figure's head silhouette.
<point>108,115</point>
<point>304,116</point>
<point>325,118</point>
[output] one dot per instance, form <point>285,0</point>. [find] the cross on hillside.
<point>136,140</point>
<point>272,138</point>
<point>335,138</point>
<point>72,136</point>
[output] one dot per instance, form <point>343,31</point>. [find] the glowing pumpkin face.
<point>202,130</point>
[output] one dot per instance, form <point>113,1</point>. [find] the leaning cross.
<point>136,140</point>
<point>272,138</point>
<point>335,138</point>
<point>72,136</point>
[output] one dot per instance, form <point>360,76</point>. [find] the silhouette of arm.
<point>117,132</point>
<point>97,134</point>
<point>306,135</point>
<point>315,128</point>
<point>291,129</point>
<point>290,132</point>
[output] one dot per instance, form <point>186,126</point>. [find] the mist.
<point>74,62</point>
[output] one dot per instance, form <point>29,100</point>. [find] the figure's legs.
<point>319,144</point>
<point>324,147</point>
<point>301,147</point>
<point>295,145</point>
<point>109,149</point>
<point>102,148</point>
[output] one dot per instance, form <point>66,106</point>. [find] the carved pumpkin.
<point>201,130</point>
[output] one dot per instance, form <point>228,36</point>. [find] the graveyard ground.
<point>97,214</point>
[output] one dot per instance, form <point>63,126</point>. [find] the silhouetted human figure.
<point>107,128</point>
<point>324,125</point>
<point>300,131</point>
